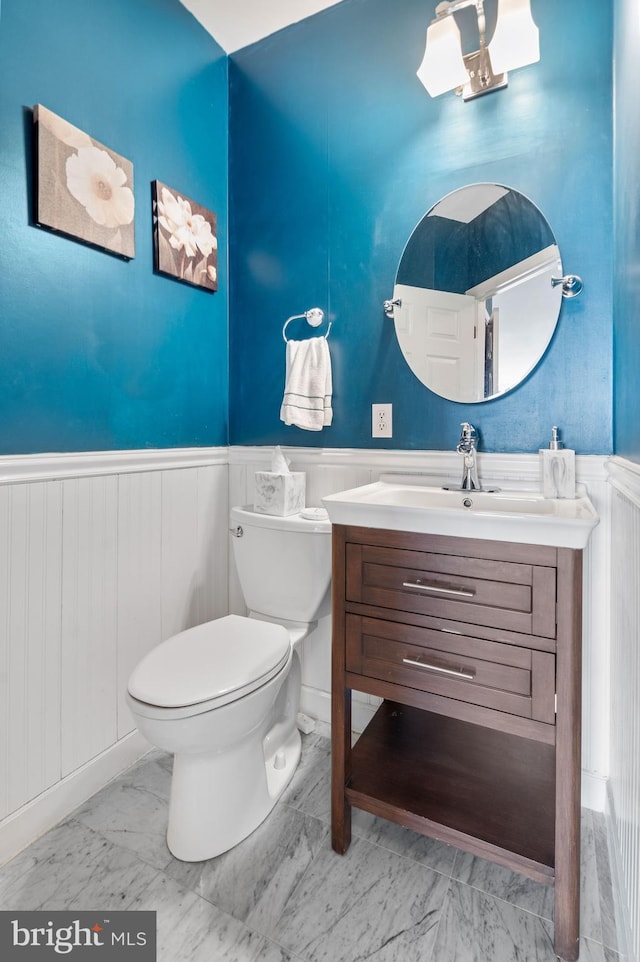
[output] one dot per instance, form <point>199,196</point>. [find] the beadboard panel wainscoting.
<point>89,652</point>
<point>331,470</point>
<point>30,649</point>
<point>101,558</point>
<point>623,809</point>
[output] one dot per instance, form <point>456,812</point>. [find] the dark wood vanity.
<point>475,647</point>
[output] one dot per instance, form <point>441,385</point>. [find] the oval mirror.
<point>474,303</point>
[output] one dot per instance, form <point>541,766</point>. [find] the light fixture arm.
<point>478,64</point>
<point>444,9</point>
<point>482,23</point>
<point>514,44</point>
<point>484,62</point>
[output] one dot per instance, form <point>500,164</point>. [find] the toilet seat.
<point>209,666</point>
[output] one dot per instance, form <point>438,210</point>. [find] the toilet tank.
<point>284,564</point>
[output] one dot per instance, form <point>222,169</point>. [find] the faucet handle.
<point>468,438</point>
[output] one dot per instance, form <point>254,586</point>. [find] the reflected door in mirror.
<point>438,335</point>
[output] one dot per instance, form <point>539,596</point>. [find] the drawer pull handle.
<point>458,592</point>
<point>467,673</point>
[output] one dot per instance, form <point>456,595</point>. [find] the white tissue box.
<point>280,494</point>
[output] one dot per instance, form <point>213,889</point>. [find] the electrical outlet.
<point>381,420</point>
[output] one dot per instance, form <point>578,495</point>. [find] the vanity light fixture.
<point>514,44</point>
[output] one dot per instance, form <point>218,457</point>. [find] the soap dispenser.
<point>558,469</point>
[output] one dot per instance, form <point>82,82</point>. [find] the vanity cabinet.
<point>475,648</point>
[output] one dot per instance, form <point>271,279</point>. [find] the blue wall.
<point>336,152</point>
<point>627,234</point>
<point>95,352</point>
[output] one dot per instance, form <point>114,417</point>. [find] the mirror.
<point>473,303</point>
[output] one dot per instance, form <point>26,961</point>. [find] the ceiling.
<point>237,23</point>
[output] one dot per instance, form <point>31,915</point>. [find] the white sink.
<point>521,516</point>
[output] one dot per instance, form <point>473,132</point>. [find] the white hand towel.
<point>308,386</point>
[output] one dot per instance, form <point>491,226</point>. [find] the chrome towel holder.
<point>314,317</point>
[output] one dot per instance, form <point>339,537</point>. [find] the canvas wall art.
<point>83,189</point>
<point>185,245</point>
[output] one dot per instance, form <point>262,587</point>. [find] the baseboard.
<point>317,704</point>
<point>623,922</point>
<point>594,791</point>
<point>39,815</point>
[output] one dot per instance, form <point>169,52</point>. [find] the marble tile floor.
<point>284,896</point>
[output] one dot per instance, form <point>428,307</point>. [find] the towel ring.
<point>314,318</point>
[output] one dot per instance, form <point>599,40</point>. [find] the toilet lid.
<point>210,661</point>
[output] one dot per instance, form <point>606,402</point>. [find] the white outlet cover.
<point>381,420</point>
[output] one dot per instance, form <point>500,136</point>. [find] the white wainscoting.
<point>624,783</point>
<point>102,556</point>
<point>331,470</point>
<point>30,651</point>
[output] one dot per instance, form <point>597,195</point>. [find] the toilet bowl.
<point>223,696</point>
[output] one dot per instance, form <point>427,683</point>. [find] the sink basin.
<point>520,516</point>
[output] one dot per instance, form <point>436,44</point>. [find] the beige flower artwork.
<point>185,244</point>
<point>84,189</point>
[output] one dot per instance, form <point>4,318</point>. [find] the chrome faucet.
<point>467,448</point>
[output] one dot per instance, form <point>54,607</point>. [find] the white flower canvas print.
<point>84,189</point>
<point>185,245</point>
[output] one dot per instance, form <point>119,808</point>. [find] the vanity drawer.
<point>501,594</point>
<point>507,678</point>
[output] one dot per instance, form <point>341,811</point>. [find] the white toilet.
<point>224,696</point>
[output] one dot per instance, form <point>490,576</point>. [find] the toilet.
<point>223,697</point>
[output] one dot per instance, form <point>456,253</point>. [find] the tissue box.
<point>280,494</point>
